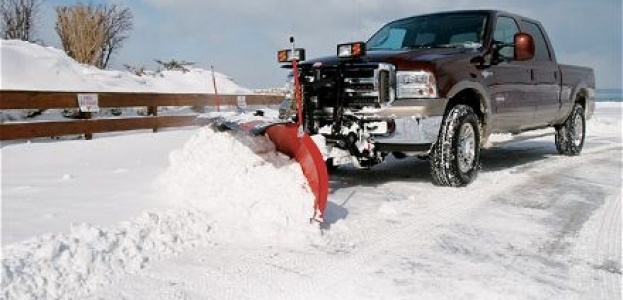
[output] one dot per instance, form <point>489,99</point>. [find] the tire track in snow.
<point>598,254</point>
<point>559,198</point>
<point>612,256</point>
<point>607,249</point>
<point>430,210</point>
<point>398,236</point>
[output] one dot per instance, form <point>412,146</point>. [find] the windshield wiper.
<point>374,49</point>
<point>430,46</point>
<point>445,46</point>
<point>417,47</point>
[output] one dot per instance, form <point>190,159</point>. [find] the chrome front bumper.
<point>412,131</point>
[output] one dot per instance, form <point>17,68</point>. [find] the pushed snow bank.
<point>27,66</point>
<point>225,187</point>
<point>249,190</point>
<point>72,265</point>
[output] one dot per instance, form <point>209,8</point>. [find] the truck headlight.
<point>288,55</point>
<point>351,50</point>
<point>415,84</point>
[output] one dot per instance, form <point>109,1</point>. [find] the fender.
<point>485,101</point>
<point>581,87</point>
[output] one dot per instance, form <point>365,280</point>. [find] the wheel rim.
<point>467,148</point>
<point>578,130</point>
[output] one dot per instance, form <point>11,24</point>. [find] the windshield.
<point>453,30</point>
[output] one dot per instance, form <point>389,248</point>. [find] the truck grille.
<point>368,85</point>
<point>359,85</point>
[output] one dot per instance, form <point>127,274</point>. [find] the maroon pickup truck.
<point>436,86</point>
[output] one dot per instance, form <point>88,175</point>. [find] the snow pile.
<point>27,66</point>
<point>67,266</point>
<point>249,190</point>
<point>225,187</point>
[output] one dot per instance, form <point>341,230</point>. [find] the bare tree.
<point>118,23</point>
<point>92,34</point>
<point>18,19</point>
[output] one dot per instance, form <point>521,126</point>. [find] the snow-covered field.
<point>199,214</point>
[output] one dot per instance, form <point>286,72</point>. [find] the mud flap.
<point>285,136</point>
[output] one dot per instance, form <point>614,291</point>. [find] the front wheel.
<point>331,166</point>
<point>455,158</point>
<point>570,135</point>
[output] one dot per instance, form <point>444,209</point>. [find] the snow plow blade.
<point>302,148</point>
<point>306,153</point>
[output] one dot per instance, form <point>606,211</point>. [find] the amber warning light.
<point>351,50</point>
<point>284,56</point>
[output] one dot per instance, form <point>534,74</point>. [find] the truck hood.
<point>401,59</point>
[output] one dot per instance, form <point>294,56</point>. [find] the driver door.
<point>514,108</point>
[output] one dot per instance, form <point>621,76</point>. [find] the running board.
<point>499,140</point>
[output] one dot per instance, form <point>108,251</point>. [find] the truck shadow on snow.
<point>517,156</point>
<point>345,181</point>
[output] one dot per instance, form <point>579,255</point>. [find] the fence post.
<point>86,116</point>
<point>199,109</point>
<point>153,111</point>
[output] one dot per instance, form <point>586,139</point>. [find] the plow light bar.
<point>284,56</point>
<point>351,50</point>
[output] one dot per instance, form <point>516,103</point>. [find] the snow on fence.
<point>87,126</point>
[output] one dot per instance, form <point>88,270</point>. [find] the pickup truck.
<point>437,86</point>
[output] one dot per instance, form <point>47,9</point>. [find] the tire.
<point>570,135</point>
<point>455,158</point>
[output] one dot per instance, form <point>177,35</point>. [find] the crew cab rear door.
<point>545,75</point>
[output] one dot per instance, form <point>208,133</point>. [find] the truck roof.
<point>492,12</point>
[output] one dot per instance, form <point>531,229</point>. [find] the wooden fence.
<point>88,126</point>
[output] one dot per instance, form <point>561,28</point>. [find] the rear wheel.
<point>455,158</point>
<point>570,135</point>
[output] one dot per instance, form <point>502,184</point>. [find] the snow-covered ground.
<point>199,214</point>
<point>195,214</point>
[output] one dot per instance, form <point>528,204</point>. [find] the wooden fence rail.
<point>87,126</point>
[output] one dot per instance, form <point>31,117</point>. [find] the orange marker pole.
<point>297,91</point>
<point>218,104</point>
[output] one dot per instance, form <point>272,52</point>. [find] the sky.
<point>240,38</point>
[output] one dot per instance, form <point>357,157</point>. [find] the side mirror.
<point>524,47</point>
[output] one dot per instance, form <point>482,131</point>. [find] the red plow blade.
<point>306,153</point>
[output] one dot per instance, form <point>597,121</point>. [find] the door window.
<point>505,30</point>
<point>541,52</point>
